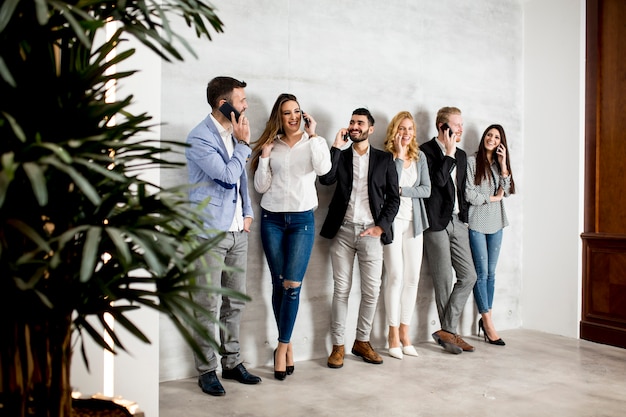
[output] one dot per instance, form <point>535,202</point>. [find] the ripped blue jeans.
<point>287,240</point>
<point>485,251</point>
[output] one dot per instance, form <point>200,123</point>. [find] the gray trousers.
<point>231,251</point>
<point>444,250</point>
<point>369,251</point>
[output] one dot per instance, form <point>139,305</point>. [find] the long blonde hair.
<point>273,127</point>
<point>392,131</point>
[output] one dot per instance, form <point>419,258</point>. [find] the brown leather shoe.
<point>335,360</point>
<point>463,344</point>
<point>447,341</point>
<point>364,350</point>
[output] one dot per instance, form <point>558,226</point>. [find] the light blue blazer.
<point>214,174</point>
<point>418,192</point>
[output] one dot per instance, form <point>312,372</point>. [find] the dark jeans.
<point>287,242</point>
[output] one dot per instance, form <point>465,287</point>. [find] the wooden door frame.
<point>599,249</point>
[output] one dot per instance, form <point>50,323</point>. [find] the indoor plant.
<point>81,233</point>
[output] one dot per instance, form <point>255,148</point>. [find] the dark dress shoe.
<point>210,384</point>
<point>239,373</point>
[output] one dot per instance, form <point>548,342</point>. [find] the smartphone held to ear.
<point>445,127</point>
<point>346,136</point>
<point>307,121</point>
<point>227,108</point>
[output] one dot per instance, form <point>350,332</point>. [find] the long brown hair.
<point>273,127</point>
<point>482,164</point>
<point>392,130</point>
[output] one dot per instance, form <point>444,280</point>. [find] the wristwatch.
<point>243,142</point>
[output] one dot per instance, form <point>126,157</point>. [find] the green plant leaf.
<point>119,241</point>
<point>30,233</point>
<point>5,73</point>
<point>6,12</point>
<point>37,182</point>
<point>90,253</point>
<point>90,192</point>
<point>17,129</point>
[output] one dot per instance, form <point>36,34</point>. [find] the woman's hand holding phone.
<point>309,124</point>
<point>501,152</point>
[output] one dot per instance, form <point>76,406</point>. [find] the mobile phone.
<point>445,127</point>
<point>307,121</point>
<point>227,108</point>
<point>346,136</point>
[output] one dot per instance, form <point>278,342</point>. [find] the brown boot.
<point>335,360</point>
<point>463,344</point>
<point>448,341</point>
<point>365,350</point>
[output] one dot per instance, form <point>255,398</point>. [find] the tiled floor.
<point>535,374</point>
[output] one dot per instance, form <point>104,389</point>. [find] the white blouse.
<point>287,177</point>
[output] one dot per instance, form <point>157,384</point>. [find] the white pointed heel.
<point>409,351</point>
<point>395,352</point>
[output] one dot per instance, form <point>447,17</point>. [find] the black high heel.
<point>280,375</point>
<point>290,368</point>
<point>481,326</point>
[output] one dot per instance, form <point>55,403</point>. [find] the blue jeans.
<point>287,242</point>
<point>485,251</point>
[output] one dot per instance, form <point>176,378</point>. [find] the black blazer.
<point>382,187</point>
<point>440,204</point>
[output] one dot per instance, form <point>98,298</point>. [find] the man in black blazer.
<point>360,215</point>
<point>446,242</point>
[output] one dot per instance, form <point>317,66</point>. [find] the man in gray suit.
<point>446,241</point>
<point>216,158</point>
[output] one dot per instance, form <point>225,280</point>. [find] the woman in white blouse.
<point>286,161</point>
<point>489,180</point>
<point>403,257</point>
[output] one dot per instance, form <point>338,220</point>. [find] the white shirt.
<point>227,138</point>
<point>408,178</point>
<point>287,177</point>
<point>359,206</point>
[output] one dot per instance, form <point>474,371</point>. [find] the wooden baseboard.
<point>601,333</point>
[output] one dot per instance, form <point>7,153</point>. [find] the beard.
<point>359,139</point>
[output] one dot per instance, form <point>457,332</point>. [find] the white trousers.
<point>402,263</point>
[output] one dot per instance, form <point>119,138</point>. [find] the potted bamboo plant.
<point>82,234</point>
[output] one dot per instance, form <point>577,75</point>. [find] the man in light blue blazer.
<point>216,158</point>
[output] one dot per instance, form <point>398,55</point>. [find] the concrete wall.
<point>335,57</point>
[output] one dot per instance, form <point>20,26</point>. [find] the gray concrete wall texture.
<point>335,56</point>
